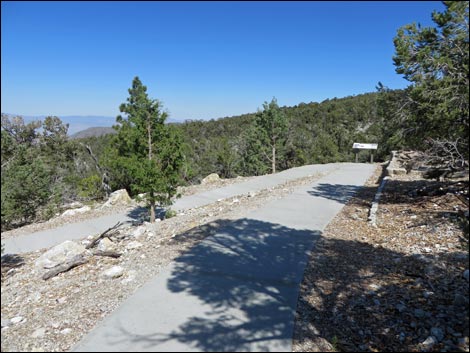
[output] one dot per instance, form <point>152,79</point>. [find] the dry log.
<point>105,233</point>
<point>114,254</point>
<point>74,262</point>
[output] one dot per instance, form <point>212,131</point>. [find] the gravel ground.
<point>402,286</point>
<point>54,315</point>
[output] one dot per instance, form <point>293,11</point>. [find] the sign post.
<point>365,146</point>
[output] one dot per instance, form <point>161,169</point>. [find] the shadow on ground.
<point>248,272</point>
<point>140,214</point>
<point>372,299</point>
<point>368,298</point>
<point>9,262</point>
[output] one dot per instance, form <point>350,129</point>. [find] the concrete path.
<point>236,290</point>
<point>80,230</point>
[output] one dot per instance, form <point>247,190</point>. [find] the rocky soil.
<point>97,208</point>
<point>54,314</point>
<point>401,286</point>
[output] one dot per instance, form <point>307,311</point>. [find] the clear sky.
<point>203,60</point>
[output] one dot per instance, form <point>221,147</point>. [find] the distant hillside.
<point>93,132</point>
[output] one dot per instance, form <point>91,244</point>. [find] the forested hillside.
<point>315,133</point>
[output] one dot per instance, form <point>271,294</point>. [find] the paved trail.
<point>80,230</point>
<point>236,290</point>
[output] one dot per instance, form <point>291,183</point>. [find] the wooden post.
<point>372,157</point>
<point>356,157</point>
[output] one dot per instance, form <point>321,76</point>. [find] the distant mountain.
<point>93,132</point>
<point>79,123</point>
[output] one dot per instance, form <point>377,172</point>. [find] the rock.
<point>355,217</point>
<point>437,333</point>
<point>419,313</point>
<point>38,333</point>
<point>130,277</point>
<point>133,245</point>
<point>460,300</point>
<point>139,232</point>
<point>66,331</point>
<point>465,275</point>
<point>400,307</point>
<point>59,254</point>
<point>251,194</point>
<point>75,211</point>
<point>17,320</point>
<point>429,343</point>
<point>211,178</point>
<point>6,322</point>
<point>106,245</point>
<point>119,197</point>
<point>114,272</point>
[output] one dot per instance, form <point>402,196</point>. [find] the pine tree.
<point>435,60</point>
<point>147,149</point>
<point>266,138</point>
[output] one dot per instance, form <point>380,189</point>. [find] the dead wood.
<point>113,254</point>
<point>74,262</point>
<point>102,235</point>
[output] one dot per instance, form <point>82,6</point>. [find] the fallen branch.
<point>102,235</point>
<point>74,262</point>
<point>114,254</point>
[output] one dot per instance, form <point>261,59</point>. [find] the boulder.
<point>114,272</point>
<point>106,245</point>
<point>139,232</point>
<point>75,211</point>
<point>211,178</point>
<point>59,254</point>
<point>119,197</point>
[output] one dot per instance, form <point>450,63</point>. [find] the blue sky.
<point>203,60</point>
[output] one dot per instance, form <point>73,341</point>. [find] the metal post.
<point>356,157</point>
<point>372,157</point>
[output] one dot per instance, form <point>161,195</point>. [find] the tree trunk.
<point>152,208</point>
<point>274,160</point>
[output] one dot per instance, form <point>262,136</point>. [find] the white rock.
<point>139,232</point>
<point>76,211</point>
<point>59,254</point>
<point>40,332</point>
<point>133,245</point>
<point>130,277</point>
<point>119,197</point>
<point>235,201</point>
<point>430,342</point>
<point>16,319</point>
<point>106,245</point>
<point>114,272</point>
<point>211,178</point>
<point>6,322</point>
<point>66,331</point>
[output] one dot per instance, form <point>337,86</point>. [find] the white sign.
<point>365,146</point>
